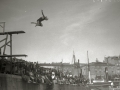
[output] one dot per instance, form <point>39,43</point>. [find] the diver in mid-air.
<point>40,20</point>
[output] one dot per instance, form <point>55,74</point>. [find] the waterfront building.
<point>73,69</point>
<point>98,69</point>
<point>112,59</point>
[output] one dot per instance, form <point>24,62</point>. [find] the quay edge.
<point>15,82</point>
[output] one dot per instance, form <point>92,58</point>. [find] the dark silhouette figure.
<point>40,20</point>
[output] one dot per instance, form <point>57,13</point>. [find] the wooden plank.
<point>20,55</point>
<point>11,32</point>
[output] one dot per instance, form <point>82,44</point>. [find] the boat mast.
<point>78,67</point>
<point>62,65</point>
<point>106,71</point>
<point>88,69</point>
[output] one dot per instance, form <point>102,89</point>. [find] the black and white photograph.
<point>59,44</point>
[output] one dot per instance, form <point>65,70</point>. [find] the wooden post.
<point>11,45</point>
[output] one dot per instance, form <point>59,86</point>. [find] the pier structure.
<point>9,43</point>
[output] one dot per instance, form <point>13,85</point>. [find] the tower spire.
<point>73,58</point>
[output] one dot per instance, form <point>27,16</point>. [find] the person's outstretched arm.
<point>42,13</point>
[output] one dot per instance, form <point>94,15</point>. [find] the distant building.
<point>98,69</point>
<point>112,59</point>
<point>73,69</point>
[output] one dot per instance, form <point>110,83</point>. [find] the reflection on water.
<point>62,87</point>
<point>100,88</point>
<point>69,87</point>
<point>49,87</point>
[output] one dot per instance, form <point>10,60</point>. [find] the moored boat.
<point>115,84</point>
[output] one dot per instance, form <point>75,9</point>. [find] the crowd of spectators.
<point>32,72</point>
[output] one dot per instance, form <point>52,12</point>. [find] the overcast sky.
<point>79,25</point>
